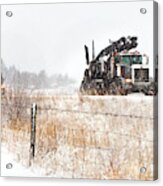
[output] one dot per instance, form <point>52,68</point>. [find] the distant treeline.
<point>15,78</point>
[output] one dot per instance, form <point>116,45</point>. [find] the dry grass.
<point>85,145</point>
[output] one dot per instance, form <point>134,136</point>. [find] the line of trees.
<point>29,80</point>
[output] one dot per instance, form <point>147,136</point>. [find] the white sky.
<point>52,36</point>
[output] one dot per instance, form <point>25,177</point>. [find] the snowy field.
<point>17,169</point>
<point>96,137</point>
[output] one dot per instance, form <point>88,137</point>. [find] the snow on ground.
<point>17,169</point>
<point>130,105</point>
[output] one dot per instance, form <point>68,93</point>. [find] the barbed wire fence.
<point>61,132</point>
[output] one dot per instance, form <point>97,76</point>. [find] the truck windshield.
<point>131,59</point>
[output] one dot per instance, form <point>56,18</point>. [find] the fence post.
<point>33,131</point>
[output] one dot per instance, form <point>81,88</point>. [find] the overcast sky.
<point>52,36</point>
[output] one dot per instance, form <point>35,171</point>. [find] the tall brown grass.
<point>84,144</point>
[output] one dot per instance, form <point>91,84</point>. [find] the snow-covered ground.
<point>81,136</point>
<point>17,169</point>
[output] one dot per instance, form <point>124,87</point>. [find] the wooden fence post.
<point>33,132</point>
